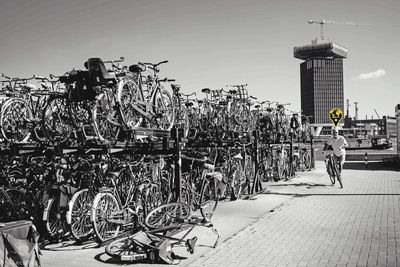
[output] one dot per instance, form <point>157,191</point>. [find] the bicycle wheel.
<point>306,159</point>
<point>126,247</point>
<point>78,214</point>
<point>336,171</point>
<point>16,208</point>
<point>238,178</point>
<point>208,198</point>
<point>182,121</point>
<point>249,170</point>
<point>104,207</point>
<point>129,98</point>
<point>106,117</point>
<point>14,120</point>
<point>331,172</point>
<point>163,108</point>
<point>56,223</point>
<point>167,214</point>
<point>55,120</point>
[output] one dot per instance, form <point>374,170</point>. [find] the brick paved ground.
<point>323,226</point>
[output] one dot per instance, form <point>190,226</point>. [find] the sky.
<point>211,43</point>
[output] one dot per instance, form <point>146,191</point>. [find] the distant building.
<point>385,126</point>
<point>321,82</point>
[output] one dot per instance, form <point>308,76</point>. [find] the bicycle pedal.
<point>190,244</point>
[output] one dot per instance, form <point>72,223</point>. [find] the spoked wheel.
<point>56,120</point>
<point>182,121</point>
<point>164,110</point>
<point>104,208</point>
<point>56,223</point>
<point>106,117</point>
<point>167,214</point>
<point>130,98</point>
<point>14,120</point>
<point>238,178</point>
<point>209,198</point>
<point>78,215</point>
<point>336,171</point>
<point>250,173</point>
<point>125,247</point>
<point>306,159</point>
<point>16,208</point>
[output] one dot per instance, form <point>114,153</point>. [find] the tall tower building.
<point>321,82</point>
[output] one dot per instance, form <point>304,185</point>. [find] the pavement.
<point>305,221</point>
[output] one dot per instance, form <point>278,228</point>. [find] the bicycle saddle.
<point>234,92</point>
<point>190,244</point>
<point>137,68</point>
<point>206,90</point>
<point>223,103</point>
<point>175,87</point>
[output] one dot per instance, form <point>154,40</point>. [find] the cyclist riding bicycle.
<point>338,144</point>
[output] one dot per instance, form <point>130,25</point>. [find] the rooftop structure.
<point>325,50</point>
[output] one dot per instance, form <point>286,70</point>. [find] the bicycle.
<point>332,167</point>
<point>200,188</point>
<point>143,101</point>
<point>156,244</point>
<point>125,203</point>
<point>19,117</point>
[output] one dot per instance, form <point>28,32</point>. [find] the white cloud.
<point>372,75</point>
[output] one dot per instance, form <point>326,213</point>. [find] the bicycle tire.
<point>56,223</point>
<point>163,108</point>
<point>307,161</point>
<point>123,248</point>
<point>56,115</point>
<point>106,118</point>
<point>167,214</point>
<point>128,96</point>
<point>15,114</point>
<point>103,205</point>
<point>182,121</point>
<point>337,175</point>
<point>78,214</point>
<point>208,198</point>
<point>238,177</point>
<point>16,206</point>
<point>331,173</point>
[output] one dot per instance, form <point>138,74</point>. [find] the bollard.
<point>366,160</point>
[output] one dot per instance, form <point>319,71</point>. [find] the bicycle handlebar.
<point>154,65</point>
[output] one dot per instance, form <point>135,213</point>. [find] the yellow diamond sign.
<point>335,115</point>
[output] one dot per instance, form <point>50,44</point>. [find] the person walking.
<point>338,144</point>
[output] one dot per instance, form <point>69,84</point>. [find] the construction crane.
<point>324,21</point>
<point>376,112</point>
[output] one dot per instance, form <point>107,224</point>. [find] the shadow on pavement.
<point>69,245</point>
<point>372,166</point>
<point>104,258</point>
<point>299,184</point>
